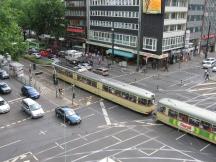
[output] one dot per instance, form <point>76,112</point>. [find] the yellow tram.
<point>132,97</point>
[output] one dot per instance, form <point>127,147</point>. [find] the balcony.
<point>173,33</point>
<point>175,9</point>
<point>174,21</point>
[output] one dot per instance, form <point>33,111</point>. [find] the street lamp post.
<point>139,35</point>
<point>112,42</point>
<point>207,46</point>
<point>73,94</point>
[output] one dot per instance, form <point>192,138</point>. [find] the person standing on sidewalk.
<point>207,76</point>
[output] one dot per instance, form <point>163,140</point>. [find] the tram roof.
<point>191,110</point>
<point>119,85</point>
<point>114,83</point>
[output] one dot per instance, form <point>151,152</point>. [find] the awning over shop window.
<point>120,53</point>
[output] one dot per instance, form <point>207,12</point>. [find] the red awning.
<point>75,29</point>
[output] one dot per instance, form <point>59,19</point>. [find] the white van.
<point>72,55</point>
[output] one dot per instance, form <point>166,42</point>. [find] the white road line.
<point>105,114</point>
<point>20,98</point>
<point>210,106</point>
<point>88,116</point>
<point>209,94</point>
<point>205,147</point>
<point>158,158</point>
<point>34,156</point>
<point>201,89</point>
<point>59,145</point>
<point>10,143</point>
<point>118,139</point>
<point>180,137</point>
<point>207,83</point>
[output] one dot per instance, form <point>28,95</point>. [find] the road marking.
<point>180,137</point>
<point>207,83</point>
<point>59,145</point>
<point>88,116</point>
<point>118,139</point>
<point>105,114</point>
<point>205,147</point>
<point>10,143</point>
<point>17,99</point>
<point>201,89</point>
<point>209,94</point>
<point>42,132</point>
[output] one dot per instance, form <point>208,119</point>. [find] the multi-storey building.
<point>195,20</point>
<point>76,15</point>
<point>161,29</point>
<point>209,25</point>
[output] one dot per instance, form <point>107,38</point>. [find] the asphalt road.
<point>107,129</point>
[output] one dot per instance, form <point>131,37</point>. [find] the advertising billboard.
<point>152,6</point>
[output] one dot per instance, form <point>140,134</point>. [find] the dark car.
<point>67,115</point>
<point>4,74</point>
<point>4,88</point>
<point>30,92</point>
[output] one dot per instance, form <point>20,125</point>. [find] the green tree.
<point>11,38</point>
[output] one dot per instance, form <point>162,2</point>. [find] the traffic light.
<point>55,81</point>
<point>34,66</point>
<point>74,95</point>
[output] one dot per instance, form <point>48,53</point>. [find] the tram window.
<point>79,78</point>
<point>132,98</point>
<point>111,90</point>
<point>161,109</point>
<point>125,95</point>
<point>105,88</point>
<point>150,102</point>
<point>118,93</point>
<point>194,122</point>
<point>172,113</point>
<point>94,84</point>
<point>183,117</point>
<point>214,128</point>
<point>205,126</point>
<point>142,101</point>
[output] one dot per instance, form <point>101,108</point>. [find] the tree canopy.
<point>41,16</point>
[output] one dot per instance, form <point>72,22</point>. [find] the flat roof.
<point>191,110</point>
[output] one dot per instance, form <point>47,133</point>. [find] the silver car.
<point>209,64</point>
<point>4,106</point>
<point>32,108</point>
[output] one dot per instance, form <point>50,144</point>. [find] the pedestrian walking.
<point>207,76</point>
<point>205,73</point>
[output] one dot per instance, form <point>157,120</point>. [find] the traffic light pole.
<point>72,87</point>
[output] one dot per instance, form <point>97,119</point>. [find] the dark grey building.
<point>76,15</point>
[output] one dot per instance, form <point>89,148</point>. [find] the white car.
<point>210,59</point>
<point>209,64</point>
<point>37,55</point>
<point>32,108</point>
<point>214,69</point>
<point>85,65</point>
<point>4,106</point>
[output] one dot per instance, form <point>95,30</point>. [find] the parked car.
<point>37,55</point>
<point>85,65</point>
<point>30,92</point>
<point>68,115</point>
<point>4,106</point>
<point>214,69</point>
<point>4,74</point>
<point>209,64</point>
<point>210,59</point>
<point>4,88</point>
<point>32,108</point>
<point>101,71</point>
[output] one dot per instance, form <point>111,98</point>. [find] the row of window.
<point>195,7</point>
<point>195,29</point>
<point>75,13</point>
<point>121,25</point>
<point>128,96</point>
<point>192,121</point>
<point>74,3</point>
<point>172,43</point>
<point>125,14</point>
<point>175,15</point>
<point>195,18</point>
<point>114,2</point>
<point>176,3</point>
<point>169,28</point>
<point>87,81</point>
<point>122,39</point>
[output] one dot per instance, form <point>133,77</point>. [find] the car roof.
<point>65,108</point>
<point>1,99</point>
<point>28,87</point>
<point>29,101</point>
<point>3,83</point>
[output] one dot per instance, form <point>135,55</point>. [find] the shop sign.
<point>185,126</point>
<point>204,37</point>
<point>75,29</point>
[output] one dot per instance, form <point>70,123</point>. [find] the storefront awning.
<point>120,53</point>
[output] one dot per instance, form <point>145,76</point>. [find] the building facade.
<point>76,15</point>
<point>155,29</point>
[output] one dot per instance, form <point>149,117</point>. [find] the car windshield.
<point>2,102</point>
<point>35,106</point>
<point>210,59</point>
<point>4,85</point>
<point>69,113</point>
